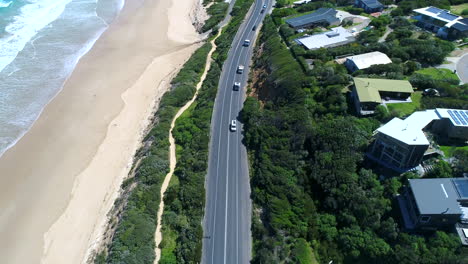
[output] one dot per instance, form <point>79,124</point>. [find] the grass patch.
<point>405,109</point>
<point>439,74</point>
<point>168,245</point>
<point>458,9</point>
<point>449,150</point>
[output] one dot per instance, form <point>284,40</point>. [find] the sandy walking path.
<point>60,180</point>
<point>172,149</point>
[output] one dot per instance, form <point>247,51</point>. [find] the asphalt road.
<point>226,227</point>
<point>462,68</point>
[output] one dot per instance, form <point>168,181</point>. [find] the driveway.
<point>462,68</point>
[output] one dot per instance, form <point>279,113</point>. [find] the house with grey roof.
<point>322,17</point>
<point>369,6</point>
<point>442,22</point>
<point>432,204</point>
<point>401,144</point>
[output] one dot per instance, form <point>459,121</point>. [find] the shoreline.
<point>60,179</point>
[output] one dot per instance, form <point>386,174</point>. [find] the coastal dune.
<point>60,180</point>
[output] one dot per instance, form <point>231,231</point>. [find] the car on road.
<point>236,86</point>
<point>240,69</point>
<point>254,28</point>
<point>233,125</point>
<point>264,6</point>
<point>246,43</point>
<point>263,11</point>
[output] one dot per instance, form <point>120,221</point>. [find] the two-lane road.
<point>228,206</point>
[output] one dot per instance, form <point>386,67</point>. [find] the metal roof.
<point>456,116</point>
<point>322,14</point>
<point>435,196</point>
<point>372,3</point>
<point>410,130</point>
<point>366,60</point>
<point>460,27</point>
<point>439,14</point>
<point>368,89</point>
<point>338,35</point>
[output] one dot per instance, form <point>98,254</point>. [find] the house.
<point>322,17</point>
<point>369,6</point>
<point>442,22</point>
<point>364,61</point>
<point>336,37</point>
<point>368,93</point>
<point>401,144</point>
<point>432,204</point>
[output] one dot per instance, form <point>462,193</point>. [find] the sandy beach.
<point>60,180</point>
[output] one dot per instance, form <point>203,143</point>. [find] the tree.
<point>441,169</point>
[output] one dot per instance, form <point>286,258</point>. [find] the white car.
<point>240,69</point>
<point>233,125</point>
<point>236,86</point>
<point>246,42</point>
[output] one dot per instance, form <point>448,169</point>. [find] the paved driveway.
<point>462,68</point>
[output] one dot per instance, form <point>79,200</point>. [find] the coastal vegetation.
<point>313,189</point>
<point>217,12</point>
<point>133,241</point>
<point>185,198</point>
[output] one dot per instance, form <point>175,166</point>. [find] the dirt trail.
<point>172,149</point>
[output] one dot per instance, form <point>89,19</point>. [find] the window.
<point>425,219</point>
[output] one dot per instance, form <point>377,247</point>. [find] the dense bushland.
<point>310,180</point>
<point>217,12</point>
<point>185,198</point>
<point>133,241</point>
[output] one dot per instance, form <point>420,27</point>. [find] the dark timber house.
<point>370,6</point>
<point>432,204</point>
<point>322,17</point>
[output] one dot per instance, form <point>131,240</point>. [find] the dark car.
<point>263,11</point>
<point>254,28</point>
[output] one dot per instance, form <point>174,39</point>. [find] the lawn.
<point>439,74</point>
<point>405,109</point>
<point>448,150</point>
<point>458,9</point>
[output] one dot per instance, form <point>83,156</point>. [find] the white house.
<point>363,61</point>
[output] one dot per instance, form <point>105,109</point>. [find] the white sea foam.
<point>32,18</point>
<point>42,58</point>
<point>5,3</point>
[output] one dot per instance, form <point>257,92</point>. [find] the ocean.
<point>41,41</point>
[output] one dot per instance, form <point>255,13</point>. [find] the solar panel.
<point>462,187</point>
<point>461,118</point>
<point>434,10</point>
<point>464,115</point>
<point>447,16</point>
<point>453,117</point>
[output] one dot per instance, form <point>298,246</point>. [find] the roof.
<point>368,89</point>
<point>437,13</point>
<point>366,60</point>
<point>322,14</point>
<point>372,3</point>
<point>456,117</point>
<point>435,196</point>
<point>338,35</point>
<point>460,27</point>
<point>410,130</point>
